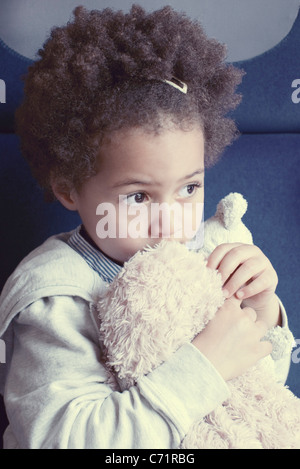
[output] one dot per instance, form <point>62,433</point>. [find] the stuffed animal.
<point>162,298</point>
<point>226,226</point>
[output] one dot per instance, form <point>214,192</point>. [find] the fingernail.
<point>240,294</point>
<point>226,293</point>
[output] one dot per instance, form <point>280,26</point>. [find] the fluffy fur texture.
<point>226,226</point>
<point>160,300</point>
<point>103,72</point>
<point>144,327</point>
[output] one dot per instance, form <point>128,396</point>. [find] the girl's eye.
<point>189,190</point>
<point>137,198</point>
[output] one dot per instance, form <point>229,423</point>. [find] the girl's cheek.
<point>192,218</point>
<point>179,221</point>
<point>133,221</point>
<point>151,221</point>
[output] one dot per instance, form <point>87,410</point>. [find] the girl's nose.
<point>166,220</point>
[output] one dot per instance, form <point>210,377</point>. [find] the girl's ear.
<point>64,193</point>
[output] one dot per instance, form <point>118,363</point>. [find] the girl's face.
<point>147,187</point>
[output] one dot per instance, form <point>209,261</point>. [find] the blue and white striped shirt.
<point>105,267</point>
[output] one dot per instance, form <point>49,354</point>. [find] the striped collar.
<point>105,267</point>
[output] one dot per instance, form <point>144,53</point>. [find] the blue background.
<point>263,164</point>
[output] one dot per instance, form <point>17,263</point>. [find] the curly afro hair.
<point>104,71</point>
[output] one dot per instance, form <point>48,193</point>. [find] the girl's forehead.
<point>142,140</point>
<point>137,156</point>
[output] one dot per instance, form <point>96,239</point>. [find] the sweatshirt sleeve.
<point>57,393</point>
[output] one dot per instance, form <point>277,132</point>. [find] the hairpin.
<point>178,84</point>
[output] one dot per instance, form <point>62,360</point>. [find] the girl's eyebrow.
<point>132,181</point>
<point>199,171</point>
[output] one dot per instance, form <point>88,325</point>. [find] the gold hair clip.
<point>178,84</point>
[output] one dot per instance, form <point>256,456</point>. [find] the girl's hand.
<point>232,339</point>
<point>249,276</point>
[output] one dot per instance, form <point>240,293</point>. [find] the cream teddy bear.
<point>160,300</point>
<point>226,226</point>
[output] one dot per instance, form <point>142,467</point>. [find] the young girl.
<point>125,110</point>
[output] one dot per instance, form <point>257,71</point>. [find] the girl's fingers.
<point>251,313</point>
<point>245,270</point>
<point>245,274</point>
<point>218,254</point>
<point>246,259</point>
<point>264,282</point>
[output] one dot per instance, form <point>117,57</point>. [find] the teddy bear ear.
<point>231,209</point>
